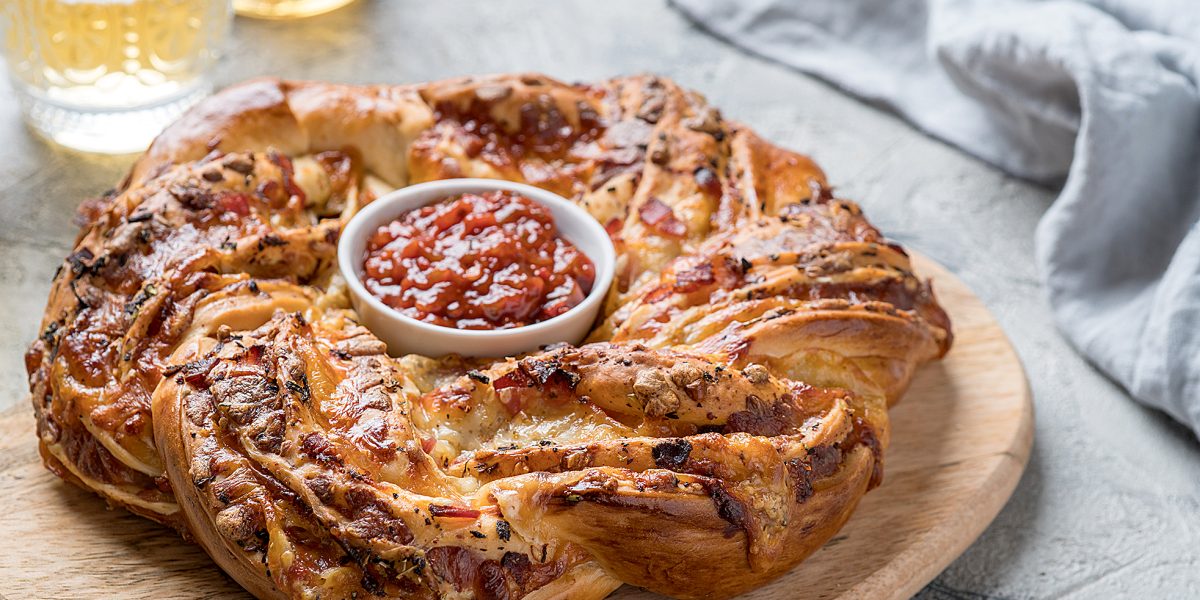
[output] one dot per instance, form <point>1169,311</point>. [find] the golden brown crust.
<point>199,363</point>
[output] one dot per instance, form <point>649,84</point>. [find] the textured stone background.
<point>1110,503</point>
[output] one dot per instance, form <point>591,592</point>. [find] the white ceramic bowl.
<point>405,335</point>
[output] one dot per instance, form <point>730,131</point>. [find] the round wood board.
<point>960,440</point>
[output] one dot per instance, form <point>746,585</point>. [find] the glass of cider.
<point>107,75</point>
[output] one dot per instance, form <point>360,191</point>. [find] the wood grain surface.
<point>960,440</point>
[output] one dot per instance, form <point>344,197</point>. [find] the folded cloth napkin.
<point>1098,96</point>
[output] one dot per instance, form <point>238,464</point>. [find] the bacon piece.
<point>453,512</point>
<point>236,203</point>
<point>660,218</point>
<point>695,278</point>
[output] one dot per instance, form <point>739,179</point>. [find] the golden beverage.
<point>106,75</point>
<point>286,9</point>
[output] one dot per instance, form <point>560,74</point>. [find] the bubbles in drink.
<point>106,75</point>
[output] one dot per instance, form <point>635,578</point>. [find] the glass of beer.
<point>108,75</point>
<point>286,9</point>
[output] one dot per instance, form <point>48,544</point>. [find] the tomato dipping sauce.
<point>477,261</point>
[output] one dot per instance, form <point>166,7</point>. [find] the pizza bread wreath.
<point>199,363</point>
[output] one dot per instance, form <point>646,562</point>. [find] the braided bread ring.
<point>200,365</point>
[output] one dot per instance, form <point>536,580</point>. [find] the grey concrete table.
<point>1110,504</point>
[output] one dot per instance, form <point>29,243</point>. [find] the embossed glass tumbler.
<point>108,75</point>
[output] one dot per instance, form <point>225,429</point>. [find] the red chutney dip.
<point>490,261</point>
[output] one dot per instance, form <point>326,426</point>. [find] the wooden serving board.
<point>960,439</point>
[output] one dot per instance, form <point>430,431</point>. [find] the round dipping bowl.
<point>406,335</point>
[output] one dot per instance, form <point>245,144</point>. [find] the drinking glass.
<point>108,75</point>
<point>286,9</point>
